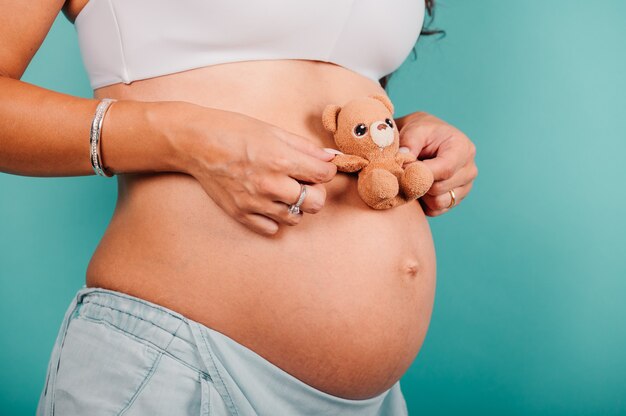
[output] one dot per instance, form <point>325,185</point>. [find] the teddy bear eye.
<point>389,122</point>
<point>360,130</point>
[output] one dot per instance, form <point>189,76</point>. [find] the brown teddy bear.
<point>369,142</point>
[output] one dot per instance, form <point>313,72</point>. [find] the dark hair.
<point>426,31</point>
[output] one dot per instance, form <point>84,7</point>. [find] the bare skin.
<point>340,297</point>
<point>342,300</point>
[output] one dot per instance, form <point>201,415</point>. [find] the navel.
<point>411,268</point>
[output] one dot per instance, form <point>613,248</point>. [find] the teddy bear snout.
<point>381,133</point>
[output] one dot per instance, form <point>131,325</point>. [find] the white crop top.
<point>128,40</point>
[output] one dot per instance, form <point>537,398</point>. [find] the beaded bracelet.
<point>94,137</point>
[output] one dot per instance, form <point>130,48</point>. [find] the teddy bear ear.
<point>329,118</point>
<point>385,100</point>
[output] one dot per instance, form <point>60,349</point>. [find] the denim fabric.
<point>116,354</point>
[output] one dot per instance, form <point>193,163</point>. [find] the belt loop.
<point>53,365</point>
<point>211,368</point>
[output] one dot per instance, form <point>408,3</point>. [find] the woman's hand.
<point>250,168</point>
<point>447,152</point>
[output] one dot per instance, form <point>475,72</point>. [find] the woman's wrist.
<point>139,136</point>
<point>167,120</point>
<point>181,130</point>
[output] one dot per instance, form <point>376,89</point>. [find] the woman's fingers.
<point>304,145</point>
<point>270,192</point>
<point>305,168</point>
<point>259,223</point>
<point>283,190</point>
<point>313,201</point>
<point>434,205</point>
<point>278,212</point>
<point>438,198</point>
<point>462,177</point>
<point>276,193</point>
<point>451,156</point>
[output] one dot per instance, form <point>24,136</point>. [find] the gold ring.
<point>453,201</point>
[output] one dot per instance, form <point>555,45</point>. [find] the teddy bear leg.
<point>391,202</point>
<point>416,180</point>
<point>376,186</point>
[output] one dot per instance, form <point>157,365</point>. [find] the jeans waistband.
<point>243,379</point>
<point>147,322</point>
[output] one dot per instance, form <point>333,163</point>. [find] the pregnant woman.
<point>207,294</point>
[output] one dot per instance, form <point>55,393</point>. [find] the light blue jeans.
<point>116,354</point>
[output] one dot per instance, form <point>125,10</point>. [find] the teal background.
<point>530,306</point>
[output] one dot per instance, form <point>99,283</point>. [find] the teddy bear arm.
<point>403,158</point>
<point>349,163</point>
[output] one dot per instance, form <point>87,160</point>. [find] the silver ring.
<point>295,208</point>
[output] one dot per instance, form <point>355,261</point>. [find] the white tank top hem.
<point>129,40</point>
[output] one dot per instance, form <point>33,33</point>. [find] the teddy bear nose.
<point>382,135</point>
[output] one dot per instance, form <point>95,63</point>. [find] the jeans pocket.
<point>211,403</point>
<point>101,370</point>
<point>174,389</point>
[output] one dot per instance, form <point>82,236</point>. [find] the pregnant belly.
<point>341,301</point>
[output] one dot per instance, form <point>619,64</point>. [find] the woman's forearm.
<point>46,133</point>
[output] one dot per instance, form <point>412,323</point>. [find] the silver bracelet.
<point>94,137</point>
